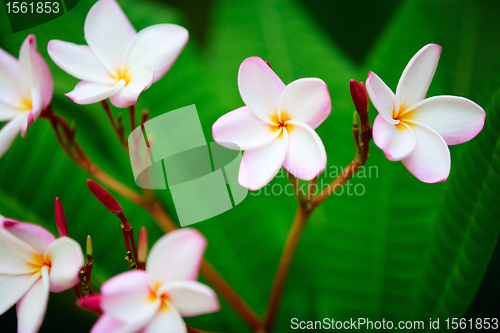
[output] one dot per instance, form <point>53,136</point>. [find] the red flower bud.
<point>359,97</point>
<point>62,226</point>
<point>105,198</point>
<point>91,303</point>
<point>267,62</point>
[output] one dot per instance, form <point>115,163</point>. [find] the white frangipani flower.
<point>276,127</point>
<point>118,62</point>
<point>26,88</point>
<point>417,130</point>
<point>155,300</point>
<point>32,264</point>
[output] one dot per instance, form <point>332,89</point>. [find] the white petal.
<point>34,72</point>
<point>260,88</point>
<point>9,132</point>
<point>13,288</point>
<point>396,141</point>
<point>140,77</point>
<point>159,46</point>
<point>306,156</point>
<point>34,113</point>
<point>244,129</point>
<point>417,76</point>
<point>10,91</point>
<point>190,298</point>
<point>36,236</point>
<point>108,33</point>
<point>307,101</point>
<point>456,119</point>
<point>168,320</point>
<point>108,324</point>
<point>259,166</point>
<point>87,92</point>
<point>66,259</point>
<point>7,112</point>
<point>381,96</point>
<point>176,256</point>
<point>16,256</point>
<point>430,160</point>
<point>79,61</point>
<point>128,298</point>
<point>31,309</point>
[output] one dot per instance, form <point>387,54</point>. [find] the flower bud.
<point>91,303</point>
<point>105,198</point>
<point>267,62</point>
<point>90,251</point>
<point>359,96</point>
<point>62,226</point>
<point>143,245</point>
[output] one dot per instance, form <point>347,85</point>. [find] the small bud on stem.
<point>143,247</point>
<point>62,226</point>
<point>105,198</point>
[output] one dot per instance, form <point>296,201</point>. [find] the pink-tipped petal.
<point>34,72</point>
<point>260,88</point>
<point>397,142</point>
<point>79,61</point>
<point>66,259</point>
<point>456,119</point>
<point>36,110</point>
<point>10,92</point>
<point>259,166</point>
<point>381,96</point>
<point>127,297</point>
<point>108,32</point>
<point>16,256</point>
<point>13,288</point>
<point>87,92</point>
<point>36,236</point>
<point>108,324</point>
<point>430,160</point>
<point>190,298</point>
<point>306,100</point>
<point>243,129</point>
<point>176,256</point>
<point>141,77</point>
<point>159,46</point>
<point>306,156</point>
<point>91,303</point>
<point>32,307</point>
<point>417,76</point>
<point>166,320</point>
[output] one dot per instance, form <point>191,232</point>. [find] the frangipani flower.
<point>416,130</point>
<point>26,88</point>
<point>118,62</point>
<point>276,127</point>
<point>32,263</point>
<point>155,300</point>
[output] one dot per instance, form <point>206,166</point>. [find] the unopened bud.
<point>267,62</point>
<point>90,251</point>
<point>105,198</point>
<point>359,97</point>
<point>62,226</point>
<point>143,245</point>
<point>91,303</point>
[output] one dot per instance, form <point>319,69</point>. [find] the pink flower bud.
<point>143,245</point>
<point>91,303</point>
<point>105,198</point>
<point>62,226</point>
<point>359,97</point>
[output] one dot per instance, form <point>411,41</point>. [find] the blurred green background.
<point>404,250</point>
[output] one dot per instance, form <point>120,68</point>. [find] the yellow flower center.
<point>281,122</point>
<point>122,74</point>
<point>403,116</point>
<point>25,104</point>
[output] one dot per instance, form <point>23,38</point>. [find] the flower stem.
<point>292,242</point>
<point>131,113</point>
<point>149,202</point>
<point>119,131</point>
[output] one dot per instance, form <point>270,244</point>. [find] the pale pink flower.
<point>118,62</point>
<point>32,263</point>
<point>417,130</point>
<point>276,127</point>
<point>26,88</point>
<point>155,300</point>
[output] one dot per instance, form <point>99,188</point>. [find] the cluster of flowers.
<point>275,128</point>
